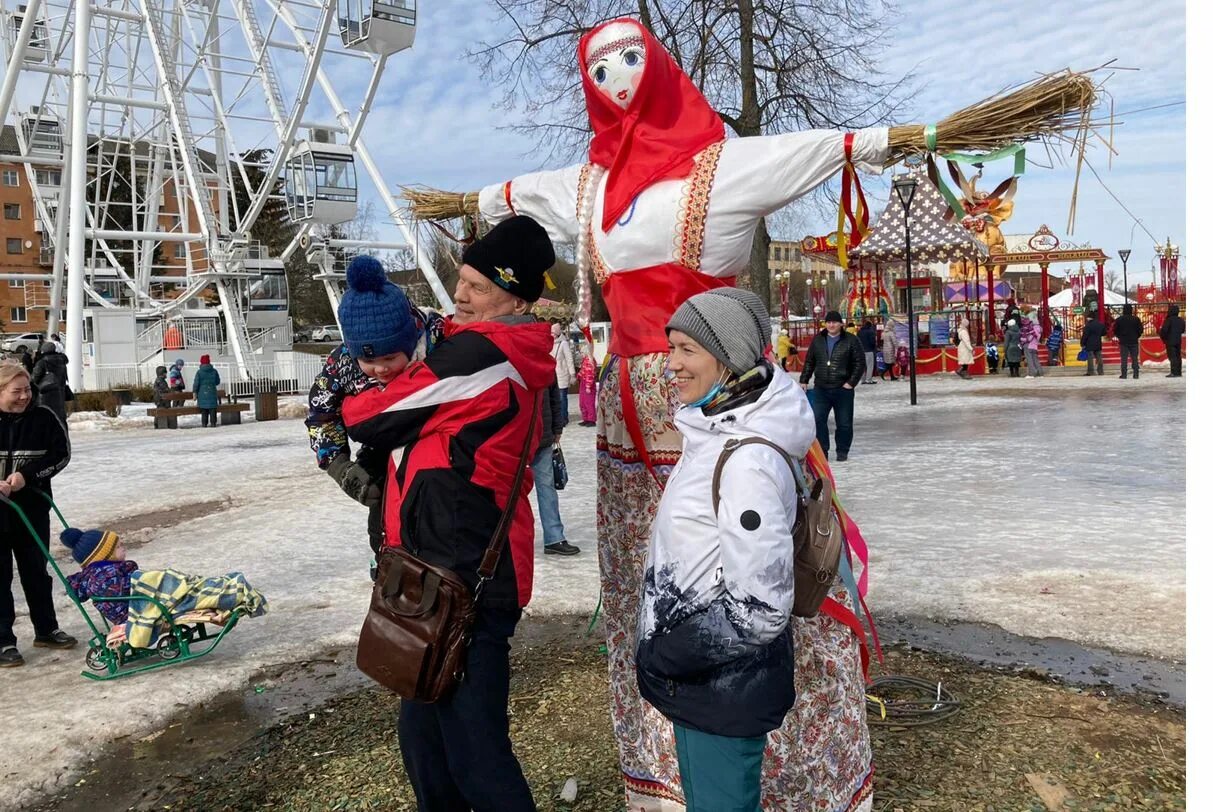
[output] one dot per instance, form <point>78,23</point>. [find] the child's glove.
<point>355,480</point>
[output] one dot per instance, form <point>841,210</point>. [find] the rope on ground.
<point>597,612</point>
<point>900,701</point>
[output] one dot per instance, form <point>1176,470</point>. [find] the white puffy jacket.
<point>566,371</point>
<point>713,652</point>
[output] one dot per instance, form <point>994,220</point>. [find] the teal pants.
<point>719,773</point>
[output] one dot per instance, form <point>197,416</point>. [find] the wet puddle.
<point>1049,658</point>
<point>139,773</point>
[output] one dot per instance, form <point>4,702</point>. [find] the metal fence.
<point>285,376</point>
<point>1152,315</point>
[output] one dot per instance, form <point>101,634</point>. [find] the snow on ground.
<point>1048,506</point>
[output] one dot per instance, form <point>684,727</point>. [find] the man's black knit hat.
<point>514,255</point>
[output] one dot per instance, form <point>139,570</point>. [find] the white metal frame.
<point>180,89</point>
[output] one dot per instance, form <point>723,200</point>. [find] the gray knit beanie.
<point>730,323</point>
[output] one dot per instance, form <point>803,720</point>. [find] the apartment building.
<point>26,241</point>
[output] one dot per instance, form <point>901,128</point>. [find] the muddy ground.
<point>1020,742</point>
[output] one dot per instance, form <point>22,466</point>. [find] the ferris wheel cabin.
<point>321,185</point>
<point>39,40</point>
<point>378,26</point>
<point>43,132</point>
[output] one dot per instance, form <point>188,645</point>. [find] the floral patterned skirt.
<point>821,758</point>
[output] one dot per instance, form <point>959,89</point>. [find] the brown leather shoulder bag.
<point>415,636</point>
<point>817,538</point>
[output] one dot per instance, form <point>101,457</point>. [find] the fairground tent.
<point>1066,298</point>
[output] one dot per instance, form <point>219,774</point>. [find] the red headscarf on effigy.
<point>656,138</point>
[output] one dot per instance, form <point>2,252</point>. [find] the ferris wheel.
<point>153,133</point>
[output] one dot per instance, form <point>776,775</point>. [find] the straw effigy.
<point>1049,107</point>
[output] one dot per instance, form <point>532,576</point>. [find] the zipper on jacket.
<point>669,686</point>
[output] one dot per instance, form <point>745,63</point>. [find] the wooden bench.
<point>166,417</point>
<point>185,397</point>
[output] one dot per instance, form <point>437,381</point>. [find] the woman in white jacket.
<point>566,369</point>
<point>714,651</point>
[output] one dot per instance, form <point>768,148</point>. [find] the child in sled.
<point>106,573</point>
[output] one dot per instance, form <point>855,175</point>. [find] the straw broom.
<point>1048,107</point>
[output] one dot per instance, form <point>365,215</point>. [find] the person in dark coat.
<point>867,339</point>
<point>49,380</point>
<point>1092,342</point>
<point>1172,334</point>
<point>834,364</point>
<point>555,418</point>
<point>1128,330</point>
<point>206,390</point>
<point>27,360</point>
<point>160,388</point>
<point>33,449</point>
<point>1012,353</point>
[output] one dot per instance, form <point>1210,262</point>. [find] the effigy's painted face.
<point>615,62</point>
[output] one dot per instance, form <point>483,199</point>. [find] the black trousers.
<point>1094,362</point>
<point>1127,352</point>
<point>1176,359</point>
<point>457,752</point>
<point>15,542</point>
<point>842,402</point>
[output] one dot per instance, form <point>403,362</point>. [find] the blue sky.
<point>436,122</point>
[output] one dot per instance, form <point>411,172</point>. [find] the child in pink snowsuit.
<point>588,375</point>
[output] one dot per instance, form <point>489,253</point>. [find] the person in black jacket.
<point>26,359</point>
<point>834,363</point>
<point>867,339</point>
<point>1172,334</point>
<point>555,418</point>
<point>1128,330</point>
<point>1092,342</point>
<point>33,448</point>
<point>49,379</point>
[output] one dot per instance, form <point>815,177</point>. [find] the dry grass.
<point>426,203</point>
<point>1051,106</point>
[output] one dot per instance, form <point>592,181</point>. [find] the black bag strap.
<point>732,445</point>
<point>492,556</point>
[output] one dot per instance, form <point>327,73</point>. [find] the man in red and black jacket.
<point>457,422</point>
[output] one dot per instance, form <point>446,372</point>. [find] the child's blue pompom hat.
<point>89,546</point>
<point>375,314</point>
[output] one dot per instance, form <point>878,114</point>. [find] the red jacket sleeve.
<point>462,367</point>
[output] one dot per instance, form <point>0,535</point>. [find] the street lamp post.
<point>1124,264</point>
<point>783,278</point>
<point>905,186</point>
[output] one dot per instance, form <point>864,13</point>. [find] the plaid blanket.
<point>181,593</point>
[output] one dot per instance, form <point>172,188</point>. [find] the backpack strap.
<point>732,445</point>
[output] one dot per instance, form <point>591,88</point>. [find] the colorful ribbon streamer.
<point>858,217</point>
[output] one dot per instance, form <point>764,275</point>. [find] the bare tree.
<point>766,66</point>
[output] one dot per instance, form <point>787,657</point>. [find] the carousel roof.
<point>932,237</point>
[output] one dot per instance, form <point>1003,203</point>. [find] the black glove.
<point>355,481</point>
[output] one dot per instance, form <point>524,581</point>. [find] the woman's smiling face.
<point>615,62</point>
<point>695,370</point>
